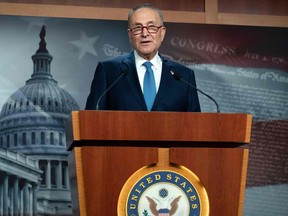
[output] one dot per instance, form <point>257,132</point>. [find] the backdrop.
<point>244,68</point>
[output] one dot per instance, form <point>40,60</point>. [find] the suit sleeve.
<point>98,86</point>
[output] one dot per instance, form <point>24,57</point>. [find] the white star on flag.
<point>85,45</point>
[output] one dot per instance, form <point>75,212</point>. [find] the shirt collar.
<point>140,60</point>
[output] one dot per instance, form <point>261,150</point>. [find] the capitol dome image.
<point>32,124</point>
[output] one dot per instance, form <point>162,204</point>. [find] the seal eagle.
<point>163,211</point>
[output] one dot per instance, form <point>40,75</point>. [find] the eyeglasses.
<point>139,29</point>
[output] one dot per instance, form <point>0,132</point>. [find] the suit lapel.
<point>165,82</point>
<point>133,80</point>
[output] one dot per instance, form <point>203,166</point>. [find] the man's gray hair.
<point>145,5</point>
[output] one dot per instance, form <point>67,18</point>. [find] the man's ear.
<point>129,35</point>
<point>163,32</point>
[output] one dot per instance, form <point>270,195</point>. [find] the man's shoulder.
<point>118,59</point>
<point>172,63</point>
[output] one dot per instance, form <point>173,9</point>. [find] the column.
<point>5,194</point>
<point>34,199</point>
<point>1,195</point>
<point>11,200</point>
<point>16,196</point>
<point>59,175</point>
<point>26,198</point>
<point>67,179</point>
<point>48,174</point>
<point>21,206</point>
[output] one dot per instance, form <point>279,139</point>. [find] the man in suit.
<point>144,77</point>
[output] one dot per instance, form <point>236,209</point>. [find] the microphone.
<point>178,77</point>
<point>123,73</point>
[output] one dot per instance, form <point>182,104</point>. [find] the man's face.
<point>146,44</point>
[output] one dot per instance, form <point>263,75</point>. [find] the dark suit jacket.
<point>126,94</point>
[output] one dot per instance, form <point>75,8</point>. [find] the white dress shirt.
<point>141,69</point>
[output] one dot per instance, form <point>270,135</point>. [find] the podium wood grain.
<point>222,171</point>
<point>104,171</point>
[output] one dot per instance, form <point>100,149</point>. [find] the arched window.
<point>24,140</point>
<point>37,65</point>
<point>42,166</point>
<point>42,138</point>
<point>49,102</point>
<point>33,138</point>
<point>64,170</point>
<point>53,173</point>
<point>15,139</point>
<point>60,139</point>
<point>1,141</point>
<point>52,138</point>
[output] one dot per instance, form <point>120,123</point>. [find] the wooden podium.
<point>107,147</point>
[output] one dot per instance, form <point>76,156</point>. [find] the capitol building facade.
<point>34,178</point>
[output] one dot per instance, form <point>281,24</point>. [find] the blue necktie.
<point>149,86</point>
